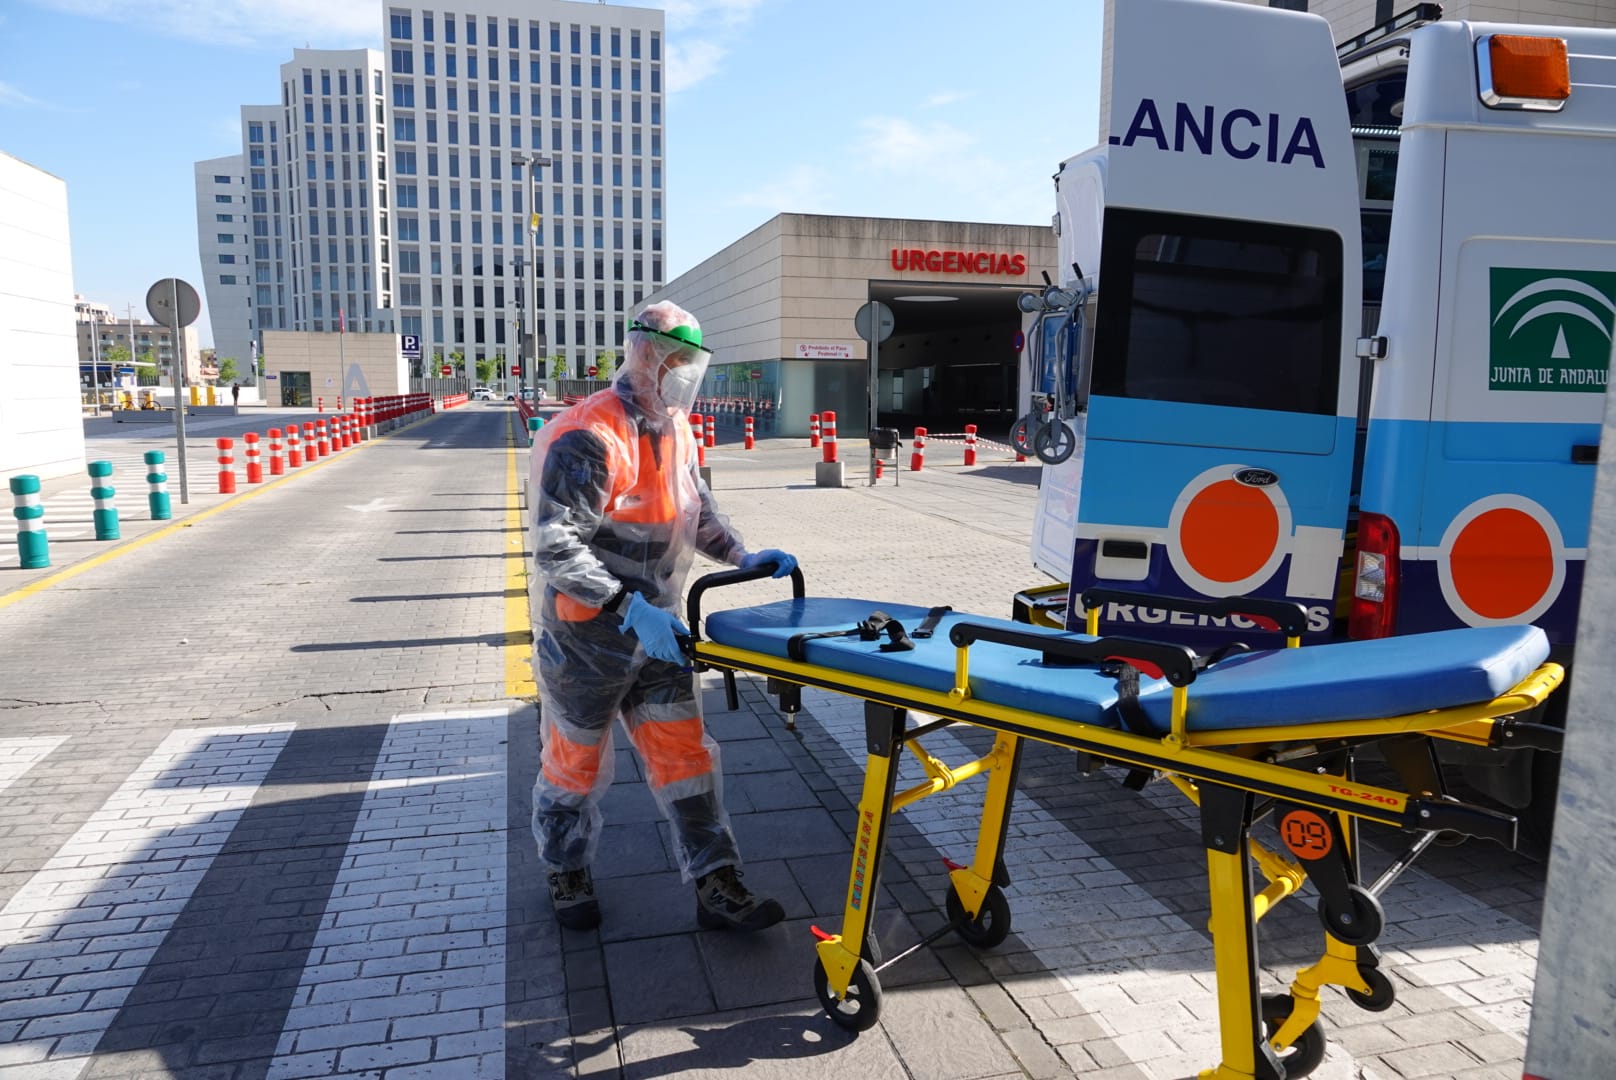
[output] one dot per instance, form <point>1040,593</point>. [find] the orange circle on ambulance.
<point>1501,561</point>
<point>1226,537</point>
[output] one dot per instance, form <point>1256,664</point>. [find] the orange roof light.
<point>1517,71</point>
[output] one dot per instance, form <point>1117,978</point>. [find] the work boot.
<point>573,894</point>
<point>723,903</point>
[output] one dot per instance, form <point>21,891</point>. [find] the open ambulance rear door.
<point>1221,410</point>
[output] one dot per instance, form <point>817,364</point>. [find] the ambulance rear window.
<point>1218,312</point>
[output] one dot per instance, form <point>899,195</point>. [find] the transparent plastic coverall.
<point>619,508</point>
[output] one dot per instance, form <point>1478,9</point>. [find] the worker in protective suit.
<point>619,512</point>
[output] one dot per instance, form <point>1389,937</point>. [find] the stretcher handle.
<point>799,588</point>
<point>1286,616</point>
<point>1176,663</point>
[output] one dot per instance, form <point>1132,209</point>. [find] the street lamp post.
<point>531,327</point>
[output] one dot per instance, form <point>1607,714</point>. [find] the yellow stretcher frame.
<point>1217,770</point>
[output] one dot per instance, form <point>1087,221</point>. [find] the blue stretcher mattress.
<point>1344,681</point>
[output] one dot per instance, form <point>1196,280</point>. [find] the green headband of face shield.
<point>687,336</point>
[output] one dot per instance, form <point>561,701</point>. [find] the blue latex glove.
<point>784,563</point>
<point>659,631</point>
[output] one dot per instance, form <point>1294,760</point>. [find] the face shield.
<point>679,360</point>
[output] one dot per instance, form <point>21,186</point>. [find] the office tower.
<point>222,239</point>
<point>334,213</point>
<point>472,94</point>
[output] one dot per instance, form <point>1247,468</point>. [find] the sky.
<point>956,110</point>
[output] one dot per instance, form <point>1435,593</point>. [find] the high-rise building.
<point>474,96</point>
<point>223,242</point>
<point>395,196</point>
<point>334,209</point>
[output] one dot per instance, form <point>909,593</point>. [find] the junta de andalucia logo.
<point>1551,329</point>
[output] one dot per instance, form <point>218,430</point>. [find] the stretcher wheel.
<point>1054,443</point>
<point>1381,991</point>
<point>1361,923</point>
<point>1021,434</point>
<point>991,925</point>
<point>860,1007</point>
<point>1304,1055</point>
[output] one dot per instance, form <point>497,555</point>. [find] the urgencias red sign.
<point>959,262</point>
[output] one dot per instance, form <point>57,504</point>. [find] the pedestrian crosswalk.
<point>402,962</point>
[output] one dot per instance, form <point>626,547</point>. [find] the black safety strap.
<point>1134,717</point>
<point>929,624</point>
<point>870,629</point>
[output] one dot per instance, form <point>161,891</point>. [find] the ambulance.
<point>1347,327</point>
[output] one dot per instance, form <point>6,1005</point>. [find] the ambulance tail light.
<point>1374,589</point>
<point>1519,71</point>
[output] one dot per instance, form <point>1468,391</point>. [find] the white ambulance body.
<point>1399,263</point>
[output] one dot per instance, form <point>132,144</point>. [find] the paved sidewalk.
<point>277,825</point>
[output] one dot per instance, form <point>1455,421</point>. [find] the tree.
<point>227,370</point>
<point>558,366</point>
<point>458,360</point>
<point>486,369</point>
<point>606,361</point>
<point>148,374</point>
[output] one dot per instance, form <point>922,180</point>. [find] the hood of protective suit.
<point>665,361</point>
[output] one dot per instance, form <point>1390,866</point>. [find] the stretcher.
<point>1246,734</point>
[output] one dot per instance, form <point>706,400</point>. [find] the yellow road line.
<point>124,548</point>
<point>518,623</point>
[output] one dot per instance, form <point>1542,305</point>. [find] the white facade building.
<point>334,148</point>
<point>40,427</point>
<point>472,94</point>
<point>224,244</point>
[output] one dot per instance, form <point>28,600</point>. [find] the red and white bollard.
<point>277,459</point>
<point>311,447</point>
<point>255,467</point>
<point>712,431</point>
<point>813,431</point>
<point>829,444</point>
<point>294,448</point>
<point>339,402</point>
<point>970,444</point>
<point>918,458</point>
<point>319,404</point>
<point>345,431</point>
<point>749,441</point>
<point>695,430</point>
<point>363,405</point>
<point>227,466</point>
<point>323,442</point>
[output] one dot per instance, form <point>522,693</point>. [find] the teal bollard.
<point>33,549</point>
<point>534,423</point>
<point>161,507</point>
<point>102,491</point>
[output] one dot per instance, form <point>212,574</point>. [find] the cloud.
<point>946,97</point>
<point>12,98</point>
<point>701,34</point>
<point>321,23</point>
<point>801,188</point>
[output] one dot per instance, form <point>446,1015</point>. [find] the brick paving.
<point>273,822</point>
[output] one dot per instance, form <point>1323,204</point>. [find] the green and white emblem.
<point>1551,329</point>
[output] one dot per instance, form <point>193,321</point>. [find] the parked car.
<point>481,393</point>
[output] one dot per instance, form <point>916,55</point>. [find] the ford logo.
<point>1256,477</point>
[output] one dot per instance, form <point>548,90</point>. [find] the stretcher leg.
<point>842,961</point>
<point>976,904</point>
<point>1226,816</point>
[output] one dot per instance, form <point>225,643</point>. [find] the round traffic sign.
<point>593,371</point>
<point>172,302</point>
<point>874,316</point>
<point>446,371</point>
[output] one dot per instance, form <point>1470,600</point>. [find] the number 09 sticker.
<point>1307,834</point>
